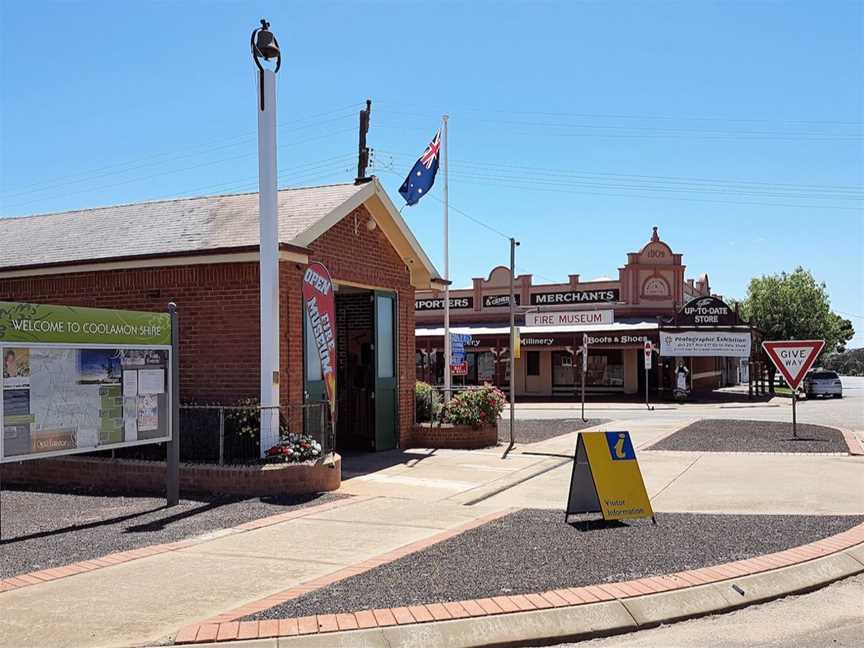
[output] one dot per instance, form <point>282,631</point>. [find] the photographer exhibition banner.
<point>693,344</point>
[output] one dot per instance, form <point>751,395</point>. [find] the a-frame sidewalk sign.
<point>606,478</point>
<point>793,359</point>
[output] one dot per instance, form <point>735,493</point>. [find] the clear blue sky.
<point>735,127</point>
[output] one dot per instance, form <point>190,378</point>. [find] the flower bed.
<point>449,435</point>
<point>148,477</point>
<point>468,421</point>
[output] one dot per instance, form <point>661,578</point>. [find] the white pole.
<point>268,260</point>
<point>446,271</point>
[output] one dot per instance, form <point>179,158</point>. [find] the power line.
<point>459,211</point>
<point>204,147</point>
<point>456,111</point>
<point>551,177</point>
<point>591,174</point>
<point>174,171</point>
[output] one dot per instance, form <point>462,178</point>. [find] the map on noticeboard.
<point>63,394</point>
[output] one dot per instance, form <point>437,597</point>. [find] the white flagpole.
<point>446,272</point>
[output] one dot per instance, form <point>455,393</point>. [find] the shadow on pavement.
<point>356,464</point>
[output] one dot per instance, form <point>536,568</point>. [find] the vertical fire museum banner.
<point>82,379</point>
<point>321,309</point>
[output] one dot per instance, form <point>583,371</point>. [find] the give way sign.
<point>793,357</point>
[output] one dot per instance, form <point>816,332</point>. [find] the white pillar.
<point>446,268</point>
<point>269,260</point>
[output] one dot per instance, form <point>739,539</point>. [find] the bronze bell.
<point>265,43</point>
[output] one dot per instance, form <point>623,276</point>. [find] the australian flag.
<point>422,176</point>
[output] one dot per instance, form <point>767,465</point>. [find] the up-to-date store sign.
<point>706,311</point>
<point>575,297</point>
<point>81,379</point>
<point>563,318</point>
<point>437,303</point>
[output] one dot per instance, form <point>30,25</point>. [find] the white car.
<point>821,382</point>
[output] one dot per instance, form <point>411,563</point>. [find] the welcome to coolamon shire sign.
<point>82,379</point>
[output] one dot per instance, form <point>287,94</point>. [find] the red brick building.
<point>202,254</point>
<point>618,315</point>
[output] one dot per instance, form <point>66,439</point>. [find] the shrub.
<point>427,401</point>
<point>476,406</point>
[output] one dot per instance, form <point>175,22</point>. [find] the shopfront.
<point>549,364</point>
<point>616,316</point>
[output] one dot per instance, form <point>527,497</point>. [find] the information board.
<point>82,379</point>
<point>606,478</point>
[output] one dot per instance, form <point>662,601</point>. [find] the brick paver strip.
<point>72,569</point>
<point>208,632</point>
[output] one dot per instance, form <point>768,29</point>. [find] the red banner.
<point>321,309</point>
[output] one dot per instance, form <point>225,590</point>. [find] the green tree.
<point>794,306</point>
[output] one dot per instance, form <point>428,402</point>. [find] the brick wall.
<point>362,257</point>
<point>217,305</point>
<point>148,477</point>
<point>218,309</point>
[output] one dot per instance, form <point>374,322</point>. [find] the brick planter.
<point>446,435</point>
<point>140,477</point>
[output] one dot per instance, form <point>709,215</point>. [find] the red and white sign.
<point>459,369</point>
<point>321,310</point>
<point>793,358</point>
<point>649,349</point>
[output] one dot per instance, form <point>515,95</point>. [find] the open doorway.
<point>366,352</point>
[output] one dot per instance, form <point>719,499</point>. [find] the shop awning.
<point>614,328</point>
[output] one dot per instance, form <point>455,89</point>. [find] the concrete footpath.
<point>401,499</point>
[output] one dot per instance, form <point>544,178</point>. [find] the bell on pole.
<point>265,45</point>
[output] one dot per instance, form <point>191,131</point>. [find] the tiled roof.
<point>184,225</point>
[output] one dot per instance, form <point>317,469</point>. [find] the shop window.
<point>533,361</point>
<point>605,368</point>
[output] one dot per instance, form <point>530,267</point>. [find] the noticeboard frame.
<point>169,395</point>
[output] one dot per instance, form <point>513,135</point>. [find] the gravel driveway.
<point>534,430</point>
<point>715,435</point>
<point>534,551</point>
<point>39,530</point>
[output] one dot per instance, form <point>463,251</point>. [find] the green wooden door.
<point>386,371</point>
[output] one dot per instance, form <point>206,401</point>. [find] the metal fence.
<point>223,434</point>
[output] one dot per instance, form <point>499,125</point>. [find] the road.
<point>832,616</point>
<point>847,412</point>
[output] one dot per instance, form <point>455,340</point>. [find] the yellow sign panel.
<point>614,474</point>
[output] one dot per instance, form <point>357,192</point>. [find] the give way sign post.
<point>793,358</point>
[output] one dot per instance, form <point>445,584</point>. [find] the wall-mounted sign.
<point>536,341</point>
<point>437,303</point>
<point>614,340</point>
<point>565,318</point>
<point>575,297</point>
<point>705,343</point>
<point>82,379</point>
<point>706,311</point>
<point>498,301</point>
